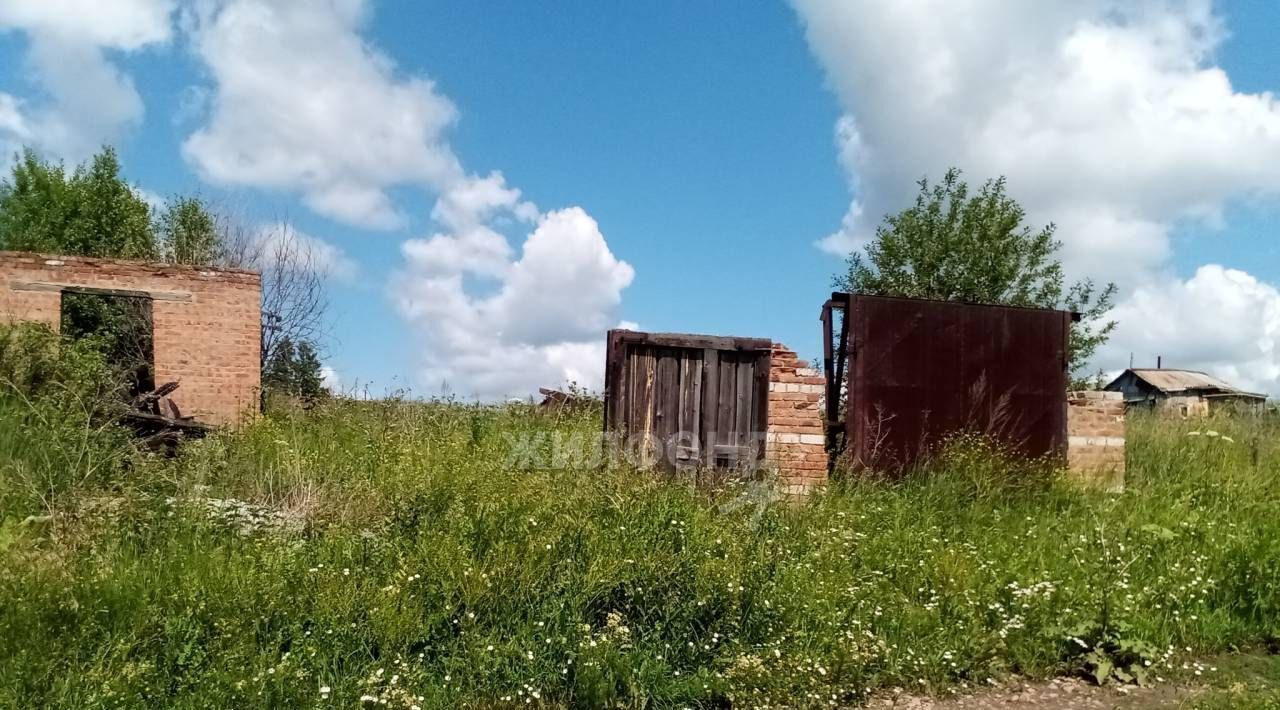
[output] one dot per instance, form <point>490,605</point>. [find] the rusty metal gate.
<point>912,371</point>
<point>676,401</point>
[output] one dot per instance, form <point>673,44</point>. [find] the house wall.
<point>1184,405</point>
<point>1095,438</point>
<point>1236,405</point>
<point>794,439</point>
<point>1131,387</point>
<point>207,323</point>
<point>1197,406</point>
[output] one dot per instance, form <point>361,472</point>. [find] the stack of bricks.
<point>207,323</point>
<point>794,442</point>
<point>1095,438</point>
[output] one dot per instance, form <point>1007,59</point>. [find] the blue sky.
<point>1249,239</point>
<point>702,141</point>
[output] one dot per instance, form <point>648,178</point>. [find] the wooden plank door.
<point>682,401</point>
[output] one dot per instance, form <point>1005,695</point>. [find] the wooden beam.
<point>686,340</point>
<point>54,287</point>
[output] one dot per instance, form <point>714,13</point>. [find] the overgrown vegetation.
<point>57,399</point>
<point>390,551</point>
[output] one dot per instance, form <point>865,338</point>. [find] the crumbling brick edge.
<point>794,438</point>
<point>1096,439</point>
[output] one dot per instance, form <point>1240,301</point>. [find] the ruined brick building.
<point>206,323</point>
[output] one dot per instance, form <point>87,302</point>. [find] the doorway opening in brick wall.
<point>120,327</point>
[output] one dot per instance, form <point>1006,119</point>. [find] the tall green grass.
<point>415,566</point>
<point>56,431</point>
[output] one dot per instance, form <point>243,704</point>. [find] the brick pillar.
<point>1095,438</point>
<point>794,440</point>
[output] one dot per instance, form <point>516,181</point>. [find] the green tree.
<point>294,369</point>
<point>955,246</point>
<point>111,220</point>
<point>36,206</point>
<point>308,376</point>
<point>92,212</point>
<point>189,232</point>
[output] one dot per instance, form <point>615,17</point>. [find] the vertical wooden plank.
<point>710,406</point>
<point>610,392</point>
<point>828,365</point>
<point>688,425</point>
<point>623,404</point>
<point>675,443</point>
<point>617,384</point>
<point>666,403</point>
<point>683,393</point>
<point>625,394</point>
<point>760,403</point>
<point>744,399</point>
<point>645,371</point>
<point>726,411</point>
<point>632,421</point>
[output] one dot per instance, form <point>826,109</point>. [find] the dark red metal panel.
<point>920,370</point>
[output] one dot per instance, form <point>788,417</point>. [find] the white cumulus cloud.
<point>14,130</point>
<point>1108,117</point>
<point>302,103</point>
<point>119,24</point>
<point>1221,321</point>
<point>540,324</point>
<point>86,99</point>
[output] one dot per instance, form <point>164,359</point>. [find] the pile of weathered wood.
<point>556,402</point>
<point>158,423</point>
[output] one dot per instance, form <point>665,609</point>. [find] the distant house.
<point>1185,392</point>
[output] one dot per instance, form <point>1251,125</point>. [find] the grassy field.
<point>389,553</point>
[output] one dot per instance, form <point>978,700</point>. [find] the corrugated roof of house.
<point>1172,381</point>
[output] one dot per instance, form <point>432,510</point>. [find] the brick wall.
<point>206,322</point>
<point>794,442</point>
<point>1095,438</point>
